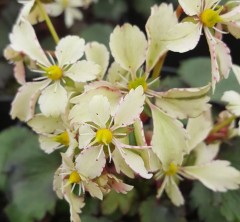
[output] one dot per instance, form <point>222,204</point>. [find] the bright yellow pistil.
<point>54,72</point>
<point>104,136</point>
<point>138,82</point>
<point>62,138</point>
<point>172,170</point>
<point>210,17</point>
<point>74,177</point>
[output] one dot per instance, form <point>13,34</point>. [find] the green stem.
<point>221,125</point>
<point>48,21</point>
<point>158,67</point>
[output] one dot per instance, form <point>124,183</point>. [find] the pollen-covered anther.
<point>104,136</point>
<point>54,72</point>
<point>62,138</point>
<point>138,82</point>
<point>172,170</point>
<point>74,177</point>
<point>210,17</point>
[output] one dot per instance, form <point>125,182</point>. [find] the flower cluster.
<point>90,110</point>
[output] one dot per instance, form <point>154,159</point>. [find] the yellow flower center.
<point>138,82</point>
<point>74,177</point>
<point>65,3</point>
<point>104,136</point>
<point>210,17</point>
<point>172,170</point>
<point>62,138</point>
<point>54,72</point>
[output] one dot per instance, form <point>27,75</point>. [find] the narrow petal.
<point>23,105</point>
<point>69,50</point>
<point>99,109</point>
<point>128,45</point>
<point>89,163</point>
<point>162,18</point>
<point>217,175</point>
<point>174,193</point>
<point>94,190</point>
<point>210,3</point>
<point>232,99</point>
<point>169,138</point>
<point>183,37</point>
<point>98,53</point>
<point>70,15</point>
<point>28,44</point>
<point>54,9</point>
<point>83,71</point>
<point>234,29</point>
<point>134,99</point>
<point>47,144</point>
<point>191,7</point>
<point>135,162</point>
<point>53,100</point>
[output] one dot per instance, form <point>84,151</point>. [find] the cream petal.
<point>234,29</point>
<point>19,72</point>
<point>98,53</point>
<point>67,162</point>
<point>89,163</point>
<point>69,50</point>
<point>83,71</point>
<point>236,71</point>
<point>174,193</point>
<point>217,175</point>
<point>93,189</point>
<point>99,109</point>
<point>191,7</point>
<point>135,162</point>
<point>116,74</point>
<point>128,46</point>
<point>54,9</point>
<point>53,100</point>
<point>70,15</point>
<point>23,105</point>
<point>233,100</point>
<point>28,44</point>
<point>183,37</point>
<point>165,128</point>
<point>210,3</point>
<point>86,135</point>
<point>162,18</point>
<point>130,108</point>
<point>57,183</point>
<point>47,144</point>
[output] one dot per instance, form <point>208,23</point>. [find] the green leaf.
<point>114,201</point>
<point>30,175</point>
<point>87,218</point>
<point>196,72</point>
<point>112,10</point>
<point>151,211</point>
<point>97,32</point>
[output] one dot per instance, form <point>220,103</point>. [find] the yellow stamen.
<point>62,138</point>
<point>210,17</point>
<point>172,170</point>
<point>74,177</point>
<point>54,72</point>
<point>138,82</point>
<point>104,136</point>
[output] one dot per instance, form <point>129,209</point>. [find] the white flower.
<point>53,99</point>
<point>106,128</point>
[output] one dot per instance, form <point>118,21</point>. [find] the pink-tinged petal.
<point>165,128</point>
<point>42,124</point>
<point>231,16</point>
<point>198,134</point>
<point>135,162</point>
<point>23,105</point>
<point>89,163</point>
<point>232,99</point>
<point>121,187</point>
<point>120,164</point>
<point>191,7</point>
<point>47,144</point>
<point>28,44</point>
<point>221,60</point>
<point>205,153</point>
<point>53,100</point>
<point>93,189</point>
<point>129,108</point>
<point>217,175</point>
<point>128,46</point>
<point>236,71</point>
<point>183,103</point>
<point>19,72</point>
<point>99,110</point>
<point>69,50</point>
<point>174,193</point>
<point>98,53</point>
<point>83,71</point>
<point>183,37</point>
<point>234,29</point>
<point>162,18</point>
